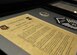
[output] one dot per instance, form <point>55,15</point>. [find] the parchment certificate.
<point>38,37</point>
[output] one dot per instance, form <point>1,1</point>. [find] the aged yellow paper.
<point>38,37</point>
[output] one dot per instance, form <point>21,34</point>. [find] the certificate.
<point>38,37</point>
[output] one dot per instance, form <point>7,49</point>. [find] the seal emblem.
<point>4,27</point>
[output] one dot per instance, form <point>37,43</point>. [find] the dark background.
<point>14,6</point>
<point>17,1</point>
<point>10,1</point>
